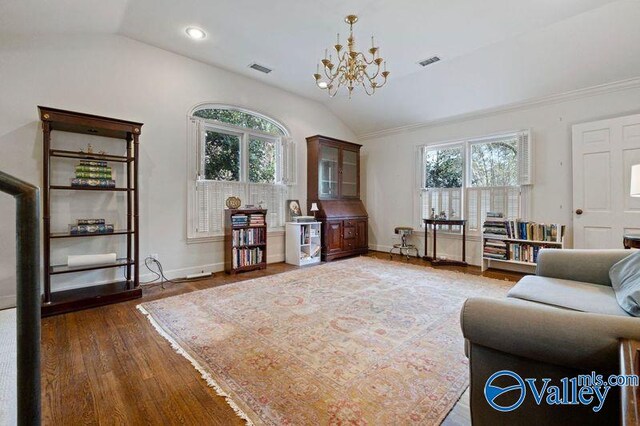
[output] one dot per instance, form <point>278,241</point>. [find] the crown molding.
<point>631,83</point>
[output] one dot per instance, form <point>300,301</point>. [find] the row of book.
<point>255,219</point>
<point>90,226</point>
<point>523,252</point>
<point>242,237</point>
<point>495,226</point>
<point>93,174</point>
<point>246,256</point>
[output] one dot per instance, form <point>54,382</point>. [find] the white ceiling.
<point>494,52</point>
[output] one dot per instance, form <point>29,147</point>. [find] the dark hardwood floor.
<point>109,366</point>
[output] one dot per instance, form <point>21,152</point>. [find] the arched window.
<point>240,118</point>
<point>241,153</point>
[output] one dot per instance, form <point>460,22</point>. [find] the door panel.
<point>333,235</point>
<point>597,181</point>
<point>328,171</point>
<point>603,153</point>
<point>349,181</point>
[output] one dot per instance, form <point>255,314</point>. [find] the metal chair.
<point>403,248</point>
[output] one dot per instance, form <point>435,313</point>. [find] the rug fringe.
<point>206,376</point>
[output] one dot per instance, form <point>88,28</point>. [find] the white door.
<point>603,153</point>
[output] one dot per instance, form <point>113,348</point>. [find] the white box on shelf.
<point>303,244</point>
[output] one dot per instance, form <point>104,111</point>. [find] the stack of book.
<point>494,232</point>
<point>256,219</point>
<point>238,220</point>
<point>93,174</point>
<point>246,256</point>
<point>90,226</point>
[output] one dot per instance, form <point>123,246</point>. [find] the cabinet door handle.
<point>579,212</point>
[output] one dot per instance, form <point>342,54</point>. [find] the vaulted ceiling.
<point>494,52</point>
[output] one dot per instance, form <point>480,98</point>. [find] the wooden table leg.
<point>435,256</point>
<point>464,243</point>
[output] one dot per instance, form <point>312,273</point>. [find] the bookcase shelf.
<point>517,251</point>
<point>127,132</point>
<point>303,243</point>
<point>95,234</point>
<point>245,245</point>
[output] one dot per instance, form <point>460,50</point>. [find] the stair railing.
<point>28,296</point>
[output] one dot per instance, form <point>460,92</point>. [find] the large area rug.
<point>357,342</point>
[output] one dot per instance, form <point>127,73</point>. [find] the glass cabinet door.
<point>349,173</point>
<point>328,172</point>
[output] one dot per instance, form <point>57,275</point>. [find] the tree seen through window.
<point>223,150</point>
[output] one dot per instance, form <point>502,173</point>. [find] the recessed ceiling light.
<point>322,85</point>
<point>195,33</point>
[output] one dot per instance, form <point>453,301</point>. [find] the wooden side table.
<point>631,241</point>
<point>630,395</point>
<point>434,224</point>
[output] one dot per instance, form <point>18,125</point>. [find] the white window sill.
<point>274,232</point>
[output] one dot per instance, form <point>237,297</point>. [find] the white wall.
<point>390,161</point>
<point>118,77</point>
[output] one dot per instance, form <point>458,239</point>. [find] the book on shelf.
<point>252,236</point>
<point>93,174</point>
<point>90,221</point>
<point>93,163</point>
<point>91,229</point>
<point>256,219</point>
<point>240,220</point>
<point>246,256</point>
<point>80,168</point>
<point>93,183</point>
<point>518,240</point>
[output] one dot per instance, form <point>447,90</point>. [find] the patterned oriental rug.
<point>359,342</point>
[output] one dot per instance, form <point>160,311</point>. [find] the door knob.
<point>579,212</point>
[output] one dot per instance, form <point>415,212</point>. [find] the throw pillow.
<point>625,280</point>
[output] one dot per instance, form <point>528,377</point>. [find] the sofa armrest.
<point>591,266</point>
<point>547,334</point>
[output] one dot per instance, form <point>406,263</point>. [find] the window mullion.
<point>244,158</point>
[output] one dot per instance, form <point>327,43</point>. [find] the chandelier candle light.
<point>353,68</point>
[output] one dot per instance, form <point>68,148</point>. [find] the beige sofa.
<point>562,322</point>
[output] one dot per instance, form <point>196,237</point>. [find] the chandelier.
<point>352,68</point>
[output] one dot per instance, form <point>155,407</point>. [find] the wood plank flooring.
<point>109,366</point>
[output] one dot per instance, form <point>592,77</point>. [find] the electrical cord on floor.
<point>160,275</point>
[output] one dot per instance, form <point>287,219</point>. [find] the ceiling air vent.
<point>260,68</point>
<point>429,61</point>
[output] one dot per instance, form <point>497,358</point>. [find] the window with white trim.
<point>466,179</point>
<point>236,152</point>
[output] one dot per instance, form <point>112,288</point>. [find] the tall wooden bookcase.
<point>57,302</point>
<point>244,239</point>
<point>333,183</point>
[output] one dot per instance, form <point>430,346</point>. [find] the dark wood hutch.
<point>333,182</point>
<point>125,135</point>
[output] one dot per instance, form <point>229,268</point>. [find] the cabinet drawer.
<point>350,223</point>
<point>349,232</point>
<point>349,244</point>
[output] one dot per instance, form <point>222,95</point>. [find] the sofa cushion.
<point>625,280</point>
<point>575,295</point>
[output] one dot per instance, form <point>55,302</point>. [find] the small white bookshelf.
<point>520,252</point>
<point>303,244</point>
